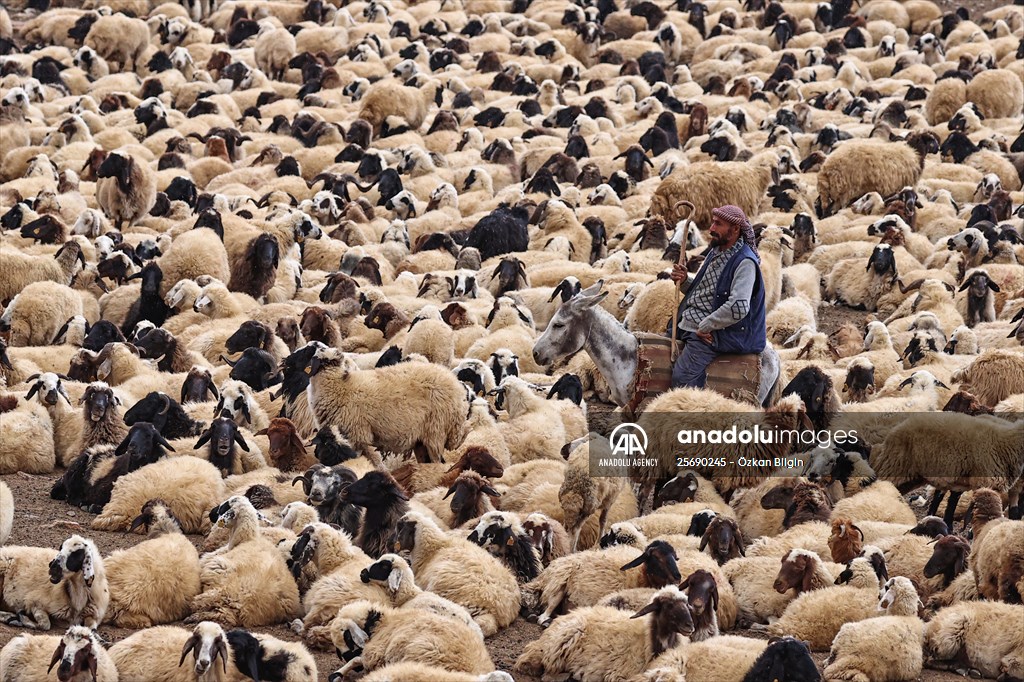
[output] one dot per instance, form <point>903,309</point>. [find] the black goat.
<point>323,486</point>
<point>818,394</point>
<point>785,660</point>
<point>568,387</point>
<point>256,368</point>
<point>385,502</point>
<point>636,162</point>
<point>46,229</point>
<point>251,334</point>
<point>331,447</point>
<point>256,272</point>
<point>222,436</point>
<point>197,384</point>
<point>143,445</point>
<point>164,412</point>
<point>150,305</point>
<point>503,230</point>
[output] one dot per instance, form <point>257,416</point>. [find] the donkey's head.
<point>570,326</point>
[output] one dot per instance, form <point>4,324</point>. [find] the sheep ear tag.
<point>511,541</point>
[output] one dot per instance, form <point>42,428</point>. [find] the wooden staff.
<point>673,322</point>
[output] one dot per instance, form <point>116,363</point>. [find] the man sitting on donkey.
<point>723,311</point>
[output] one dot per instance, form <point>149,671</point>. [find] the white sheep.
<point>39,587</point>
<point>887,647</point>
<point>155,581</point>
<point>78,655</point>
<point>228,574</point>
<point>372,635</point>
<point>453,568</point>
<point>162,651</point>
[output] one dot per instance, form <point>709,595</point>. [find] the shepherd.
<point>723,311</point>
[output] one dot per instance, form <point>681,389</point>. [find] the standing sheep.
<point>374,409</point>
<point>126,188</point>
<point>860,166</point>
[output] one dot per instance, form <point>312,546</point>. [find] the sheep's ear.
<point>450,491</point>
<point>262,432</point>
<point>88,570</point>
<point>205,438</point>
<point>58,654</point>
<point>635,562</point>
<point>993,286</point>
<point>241,441</point>
<point>359,636</point>
<point>395,579</point>
<point>644,611</point>
<point>126,171</point>
<point>190,645</point>
<point>966,284</point>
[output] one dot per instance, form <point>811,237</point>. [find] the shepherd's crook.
<point>673,323</point>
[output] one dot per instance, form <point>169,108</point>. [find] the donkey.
<point>580,323</point>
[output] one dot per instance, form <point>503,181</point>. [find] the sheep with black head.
<point>384,501</point>
<point>166,414</point>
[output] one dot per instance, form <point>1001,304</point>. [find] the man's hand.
<point>706,338</point>
<point>679,273</point>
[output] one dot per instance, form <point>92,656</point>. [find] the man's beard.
<point>717,240</point>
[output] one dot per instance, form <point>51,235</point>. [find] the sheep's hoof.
<point>335,677</point>
<point>531,618</point>
<point>296,626</point>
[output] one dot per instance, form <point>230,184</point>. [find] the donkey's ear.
<point>591,301</point>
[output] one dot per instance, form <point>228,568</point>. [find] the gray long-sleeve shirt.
<point>697,313</point>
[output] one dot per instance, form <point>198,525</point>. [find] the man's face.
<point>723,233</point>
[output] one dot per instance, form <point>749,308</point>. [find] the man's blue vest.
<point>747,335</point>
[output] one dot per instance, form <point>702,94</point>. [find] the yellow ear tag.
<point>398,546</point>
<point>308,370</point>
<point>511,541</point>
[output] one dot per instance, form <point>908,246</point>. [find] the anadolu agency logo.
<point>628,450</point>
<point>628,440</point>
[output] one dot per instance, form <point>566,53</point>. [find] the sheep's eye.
<point>557,325</point>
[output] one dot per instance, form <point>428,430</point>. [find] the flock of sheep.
<point>273,273</point>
